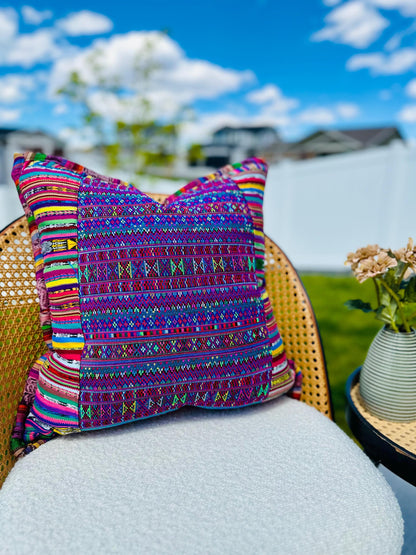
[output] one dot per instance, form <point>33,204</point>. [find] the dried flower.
<point>407,255</point>
<point>354,258</point>
<point>394,277</point>
<point>408,273</point>
<point>374,266</point>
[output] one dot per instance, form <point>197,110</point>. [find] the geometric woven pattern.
<point>146,307</point>
<point>23,341</point>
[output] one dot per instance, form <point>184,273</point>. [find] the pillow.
<point>145,307</point>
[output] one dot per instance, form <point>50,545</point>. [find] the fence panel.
<point>318,210</point>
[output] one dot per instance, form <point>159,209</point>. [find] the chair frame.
<point>22,340</point>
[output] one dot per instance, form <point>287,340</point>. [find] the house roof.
<point>371,135</point>
<point>364,136</point>
<point>251,128</point>
<point>6,130</point>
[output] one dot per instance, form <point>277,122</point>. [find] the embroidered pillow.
<point>145,307</point>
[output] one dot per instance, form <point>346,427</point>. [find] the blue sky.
<point>298,65</point>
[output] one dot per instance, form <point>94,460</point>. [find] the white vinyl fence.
<point>319,210</point>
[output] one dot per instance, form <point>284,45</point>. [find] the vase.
<point>388,376</point>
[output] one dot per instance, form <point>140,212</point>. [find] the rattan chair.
<point>192,481</point>
<point>22,340</point>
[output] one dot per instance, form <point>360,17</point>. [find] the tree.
<point>195,154</point>
<point>130,133</point>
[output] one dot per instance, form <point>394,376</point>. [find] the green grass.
<point>346,334</point>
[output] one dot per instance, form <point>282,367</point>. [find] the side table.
<point>392,444</point>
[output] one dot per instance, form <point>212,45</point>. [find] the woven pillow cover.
<point>145,307</point>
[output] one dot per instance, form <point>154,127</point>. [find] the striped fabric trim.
<point>49,192</point>
<point>250,176</point>
<point>44,308</point>
<point>26,434</point>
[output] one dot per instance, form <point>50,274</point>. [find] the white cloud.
<point>31,48</point>
<point>82,138</point>
<point>354,23</point>
<point>347,110</point>
<point>396,40</point>
<point>8,26</point>
<point>27,49</point>
<point>396,63</point>
<point>405,7</point>
<point>191,79</point>
<point>272,99</point>
<point>33,16</point>
<point>8,115</point>
<point>14,87</point>
<point>324,115</point>
<point>60,109</point>
<point>331,2</point>
<point>116,108</point>
<point>317,116</point>
<point>408,113</point>
<point>201,129</point>
<point>411,88</point>
<point>266,94</point>
<point>85,22</point>
<point>365,61</point>
<point>272,120</point>
<point>175,80</point>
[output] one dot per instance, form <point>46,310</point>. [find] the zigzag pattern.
<point>171,300</point>
<point>151,306</point>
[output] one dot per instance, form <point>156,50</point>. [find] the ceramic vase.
<point>388,376</point>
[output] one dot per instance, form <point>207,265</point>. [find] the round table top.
<point>391,443</point>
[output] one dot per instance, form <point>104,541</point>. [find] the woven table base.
<point>402,433</point>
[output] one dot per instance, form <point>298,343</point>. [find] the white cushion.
<point>272,478</point>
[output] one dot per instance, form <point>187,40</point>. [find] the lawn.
<point>346,334</point>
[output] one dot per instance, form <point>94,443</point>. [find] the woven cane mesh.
<point>21,337</point>
<point>401,433</point>
<point>297,325</point>
<point>22,341</point>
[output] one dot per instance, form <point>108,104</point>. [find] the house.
<point>336,141</point>
<point>19,140</point>
<point>232,144</point>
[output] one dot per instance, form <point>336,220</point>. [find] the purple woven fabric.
<point>152,306</point>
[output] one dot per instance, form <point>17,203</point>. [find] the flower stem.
<point>377,291</point>
<point>403,272</point>
<point>399,305</point>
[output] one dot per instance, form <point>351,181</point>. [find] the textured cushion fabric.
<point>272,478</point>
<point>145,307</point>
